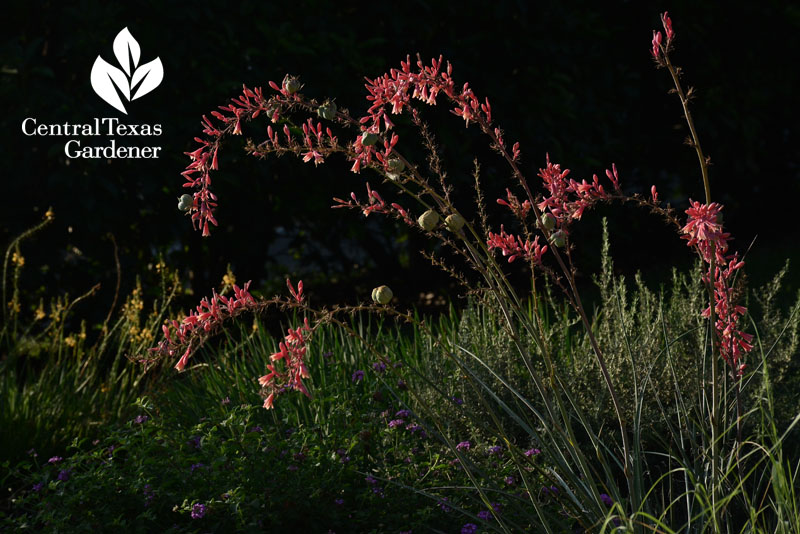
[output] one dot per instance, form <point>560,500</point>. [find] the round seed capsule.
<point>454,222</point>
<point>428,220</point>
<point>369,138</point>
<point>558,239</point>
<point>382,295</point>
<point>547,221</point>
<point>185,202</point>
<point>327,110</point>
<point>291,84</point>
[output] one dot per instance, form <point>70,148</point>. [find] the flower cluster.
<point>203,319</point>
<point>292,352</point>
<point>568,199</point>
<point>513,247</point>
<point>703,230</point>
<point>659,48</point>
<point>374,204</point>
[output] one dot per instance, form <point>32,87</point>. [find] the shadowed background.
<point>576,82</point>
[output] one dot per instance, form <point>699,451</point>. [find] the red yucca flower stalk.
<point>703,230</point>
<point>187,335</point>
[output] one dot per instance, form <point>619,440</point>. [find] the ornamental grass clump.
<point>585,477</point>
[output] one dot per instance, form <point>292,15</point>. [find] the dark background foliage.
<point>571,79</point>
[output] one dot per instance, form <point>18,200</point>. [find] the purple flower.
<point>401,385</point>
<point>496,507</point>
<point>552,490</point>
<point>469,528</point>
<point>38,486</point>
<point>63,475</point>
<point>395,423</point>
<point>510,480</point>
<point>226,401</point>
<point>198,511</point>
<point>54,459</point>
<point>255,429</point>
<point>371,480</point>
<point>497,449</point>
<point>608,501</point>
<point>463,446</point>
<point>413,427</point>
<point>33,453</point>
<point>532,452</point>
<point>194,441</point>
<point>196,466</point>
<point>379,367</point>
<point>140,419</point>
<point>358,376</point>
<point>443,505</point>
<point>339,501</point>
<point>458,401</point>
<point>403,414</point>
<point>485,515</point>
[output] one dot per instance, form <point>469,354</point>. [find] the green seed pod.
<point>558,239</point>
<point>428,220</point>
<point>291,84</point>
<point>382,295</point>
<point>547,221</point>
<point>185,202</point>
<point>369,138</point>
<point>327,110</point>
<point>395,165</point>
<point>454,222</point>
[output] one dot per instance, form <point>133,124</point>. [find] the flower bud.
<point>185,202</point>
<point>558,239</point>
<point>547,221</point>
<point>369,138</point>
<point>454,222</point>
<point>382,295</point>
<point>327,110</point>
<point>291,84</point>
<point>428,220</point>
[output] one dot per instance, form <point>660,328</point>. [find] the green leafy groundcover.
<point>231,472</point>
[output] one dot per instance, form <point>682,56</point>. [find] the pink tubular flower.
<point>655,51</point>
<point>704,230</point>
<point>667,22</point>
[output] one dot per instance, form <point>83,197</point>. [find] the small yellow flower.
<point>39,314</point>
<point>17,259</point>
<point>49,214</point>
<point>70,341</point>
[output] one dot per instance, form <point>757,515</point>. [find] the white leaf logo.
<point>131,81</point>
